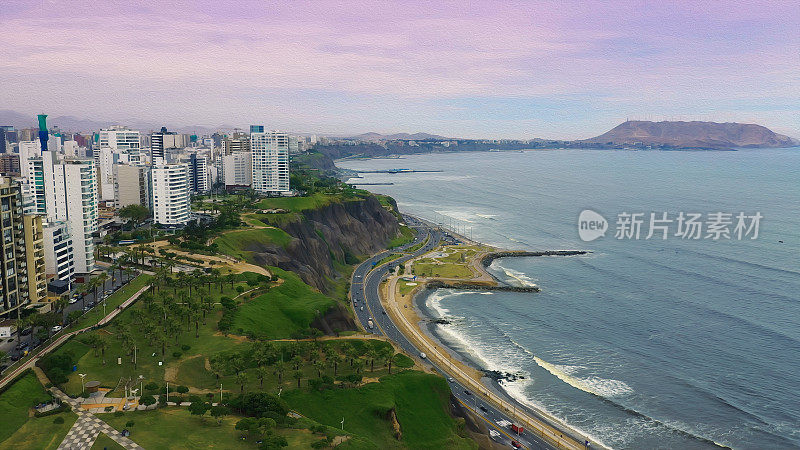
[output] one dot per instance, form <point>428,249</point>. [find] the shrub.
<point>58,420</point>
<point>147,400</point>
<point>177,354</point>
<point>152,386</point>
<point>185,347</point>
<point>183,389</point>
<point>129,424</point>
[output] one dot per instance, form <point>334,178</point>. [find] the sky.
<point>552,69</point>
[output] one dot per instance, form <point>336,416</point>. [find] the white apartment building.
<point>119,139</point>
<point>131,185</point>
<point>237,169</point>
<point>170,194</point>
<point>114,145</point>
<point>58,250</point>
<point>270,152</point>
<point>76,204</point>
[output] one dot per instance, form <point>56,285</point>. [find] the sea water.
<point>642,343</point>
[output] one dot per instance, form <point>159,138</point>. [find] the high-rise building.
<point>34,264</point>
<point>3,141</point>
<point>58,251</point>
<point>9,164</point>
<point>170,194</point>
<point>256,129</point>
<point>76,203</point>
<point>270,152</point>
<point>119,139</point>
<point>199,180</point>
<point>131,185</point>
<point>14,279</point>
<point>236,144</point>
<point>157,147</point>
<point>237,170</point>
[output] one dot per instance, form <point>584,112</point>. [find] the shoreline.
<point>490,378</point>
<point>416,316</point>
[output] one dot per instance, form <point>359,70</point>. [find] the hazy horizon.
<point>517,71</point>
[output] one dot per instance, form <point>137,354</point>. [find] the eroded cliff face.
<point>333,233</point>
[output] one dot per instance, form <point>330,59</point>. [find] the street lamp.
<point>83,386</point>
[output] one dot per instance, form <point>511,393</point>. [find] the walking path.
<point>63,338</point>
<point>86,429</point>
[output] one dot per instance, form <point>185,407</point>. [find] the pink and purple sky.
<point>554,69</point>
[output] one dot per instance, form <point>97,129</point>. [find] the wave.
<point>519,277</point>
<point>601,387</point>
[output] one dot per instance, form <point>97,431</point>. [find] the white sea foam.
<point>606,388</point>
<point>519,277</point>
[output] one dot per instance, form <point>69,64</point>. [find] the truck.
<point>517,429</point>
<point>369,323</point>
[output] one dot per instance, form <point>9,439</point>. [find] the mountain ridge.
<point>694,134</point>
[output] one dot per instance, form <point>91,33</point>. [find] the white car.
<point>73,300</point>
<point>56,329</point>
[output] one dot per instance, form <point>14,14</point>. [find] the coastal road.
<point>367,304</point>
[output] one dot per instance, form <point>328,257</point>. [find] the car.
<point>27,331</point>
<point>56,329</point>
<point>483,408</point>
<point>450,379</point>
<point>92,304</point>
<point>516,444</point>
<point>73,300</point>
<point>109,292</point>
<point>467,392</point>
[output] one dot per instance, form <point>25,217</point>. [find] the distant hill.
<point>711,135</point>
<point>396,137</point>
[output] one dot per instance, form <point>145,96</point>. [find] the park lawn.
<point>175,428</point>
<point>405,236</point>
<point>420,401</point>
<point>40,433</point>
<point>109,374</point>
<point>446,270</point>
<point>113,300</point>
<point>16,401</point>
<point>237,243</point>
<point>406,287</point>
<point>283,310</point>
<point>296,204</point>
<point>104,442</point>
<point>193,373</point>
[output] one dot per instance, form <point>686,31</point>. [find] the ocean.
<point>643,343</point>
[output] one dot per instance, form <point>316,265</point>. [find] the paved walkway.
<point>63,338</point>
<point>86,429</point>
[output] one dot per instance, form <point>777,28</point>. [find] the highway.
<point>365,295</point>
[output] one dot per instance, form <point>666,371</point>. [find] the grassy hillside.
<point>236,243</point>
<point>17,400</point>
<point>283,310</point>
<point>420,401</point>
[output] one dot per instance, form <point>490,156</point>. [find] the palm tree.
<point>335,360</point>
<point>103,277</point>
<point>390,358</point>
<point>280,369</point>
<point>262,372</point>
<point>320,366</point>
<point>298,375</point>
<point>372,355</point>
<point>241,380</point>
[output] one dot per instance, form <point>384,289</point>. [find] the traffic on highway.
<point>367,305</point>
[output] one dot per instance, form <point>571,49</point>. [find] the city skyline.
<point>544,69</point>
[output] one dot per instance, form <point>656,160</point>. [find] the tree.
<point>199,408</point>
<point>219,412</point>
<point>147,400</point>
<point>134,213</point>
<point>262,373</point>
<point>280,369</point>
<point>372,355</point>
<point>241,380</point>
<point>298,375</point>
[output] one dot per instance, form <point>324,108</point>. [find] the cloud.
<point>410,61</point>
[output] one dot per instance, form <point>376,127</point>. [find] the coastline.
<point>414,313</point>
